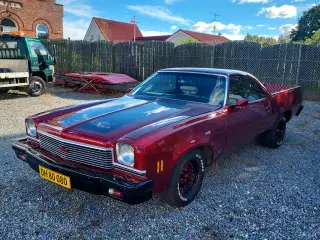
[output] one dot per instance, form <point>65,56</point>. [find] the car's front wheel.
<point>186,180</point>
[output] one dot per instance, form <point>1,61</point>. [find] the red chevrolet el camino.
<point>160,137</point>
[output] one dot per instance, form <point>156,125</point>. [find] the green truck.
<point>25,64</point>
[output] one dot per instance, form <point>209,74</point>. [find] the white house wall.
<point>178,37</point>
<point>93,34</point>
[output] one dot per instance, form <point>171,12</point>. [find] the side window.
<point>255,92</point>
<point>244,87</point>
<point>8,44</point>
<point>38,49</point>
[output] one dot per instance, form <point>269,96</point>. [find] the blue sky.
<point>157,17</point>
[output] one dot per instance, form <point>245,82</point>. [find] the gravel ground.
<point>255,193</point>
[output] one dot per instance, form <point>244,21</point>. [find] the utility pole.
<point>134,31</point>
<point>133,21</point>
<point>215,22</point>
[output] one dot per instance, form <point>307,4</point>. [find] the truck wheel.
<point>186,180</point>
<point>274,138</point>
<point>36,87</point>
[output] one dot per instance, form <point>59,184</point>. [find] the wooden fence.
<point>283,64</point>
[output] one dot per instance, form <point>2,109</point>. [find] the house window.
<point>8,25</point>
<point>42,31</point>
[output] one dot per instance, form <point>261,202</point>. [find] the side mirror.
<point>242,102</point>
<point>129,90</point>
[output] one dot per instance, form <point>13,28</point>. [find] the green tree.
<point>308,24</point>
<point>189,40</point>
<point>314,39</point>
<point>264,41</point>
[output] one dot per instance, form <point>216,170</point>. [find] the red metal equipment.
<point>98,82</point>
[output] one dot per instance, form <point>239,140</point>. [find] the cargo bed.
<point>287,96</point>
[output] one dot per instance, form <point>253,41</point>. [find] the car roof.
<point>206,70</point>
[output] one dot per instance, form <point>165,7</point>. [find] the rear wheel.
<point>275,137</point>
<point>36,87</point>
<point>186,180</point>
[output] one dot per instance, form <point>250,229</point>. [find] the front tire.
<point>37,86</point>
<point>186,180</point>
<point>275,137</point>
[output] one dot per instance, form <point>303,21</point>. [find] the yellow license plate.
<point>55,177</point>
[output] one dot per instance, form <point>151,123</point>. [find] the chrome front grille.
<point>77,152</point>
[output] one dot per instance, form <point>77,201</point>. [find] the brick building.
<point>33,17</point>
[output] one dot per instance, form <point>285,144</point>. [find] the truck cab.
<point>25,63</point>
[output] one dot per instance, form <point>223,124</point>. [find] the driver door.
<point>244,124</point>
<point>38,55</point>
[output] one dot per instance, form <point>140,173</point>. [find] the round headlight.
<point>31,128</point>
<point>125,154</point>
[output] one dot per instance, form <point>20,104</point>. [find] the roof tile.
<point>206,38</point>
<point>117,31</point>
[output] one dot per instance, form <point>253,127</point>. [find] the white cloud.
<point>299,0</point>
<point>76,29</point>
<point>287,28</point>
<point>170,2</point>
<point>251,1</point>
<point>234,36</point>
<point>260,25</point>
<point>78,9</point>
<point>154,33</point>
<point>159,12</point>
<point>218,26</point>
<point>285,11</point>
<point>272,28</point>
<point>174,27</point>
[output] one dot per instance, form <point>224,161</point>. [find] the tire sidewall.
<point>43,84</point>
<point>184,200</point>
<point>276,143</point>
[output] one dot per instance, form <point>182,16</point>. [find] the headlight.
<point>31,128</point>
<point>125,154</point>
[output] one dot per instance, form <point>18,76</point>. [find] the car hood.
<point>117,118</point>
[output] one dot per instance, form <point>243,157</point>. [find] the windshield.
<point>210,89</point>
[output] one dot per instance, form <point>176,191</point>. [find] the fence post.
<point>152,58</point>
<point>113,58</point>
<point>299,63</point>
<point>212,56</point>
<point>285,65</point>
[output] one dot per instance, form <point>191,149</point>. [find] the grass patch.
<point>302,125</point>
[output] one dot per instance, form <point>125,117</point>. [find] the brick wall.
<point>35,12</point>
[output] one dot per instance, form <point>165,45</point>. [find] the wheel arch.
<point>41,75</point>
<point>207,150</point>
<point>288,115</point>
